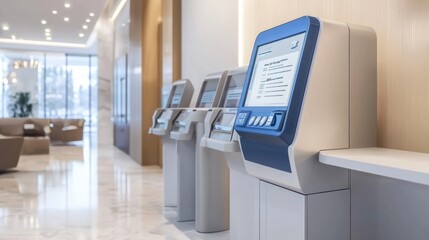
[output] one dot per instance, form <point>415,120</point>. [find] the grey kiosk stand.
<point>219,135</point>
<point>198,179</point>
<point>162,121</point>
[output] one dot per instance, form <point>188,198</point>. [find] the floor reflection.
<point>86,191</point>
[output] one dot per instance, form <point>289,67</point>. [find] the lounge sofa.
<point>10,148</point>
<point>34,131</point>
<point>67,130</point>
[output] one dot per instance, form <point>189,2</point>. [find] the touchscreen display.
<point>177,96</point>
<point>273,73</point>
<point>208,93</point>
<point>231,97</point>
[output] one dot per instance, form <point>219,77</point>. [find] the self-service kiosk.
<point>311,86</point>
<point>162,121</point>
<point>201,181</point>
<point>220,135</point>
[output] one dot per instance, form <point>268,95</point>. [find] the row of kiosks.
<point>202,185</point>
<point>310,86</point>
<point>196,174</point>
<point>162,122</point>
<point>220,136</point>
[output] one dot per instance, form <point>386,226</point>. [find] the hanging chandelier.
<point>26,64</point>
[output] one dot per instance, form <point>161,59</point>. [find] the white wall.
<point>209,38</point>
<point>105,80</point>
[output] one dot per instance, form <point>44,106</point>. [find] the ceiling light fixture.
<point>66,19</point>
<point>43,22</point>
<point>54,12</point>
<point>88,20</point>
<point>67,5</point>
<point>81,35</point>
<point>5,28</point>
<point>85,27</point>
<point>47,30</point>
<point>47,34</point>
<point>44,43</point>
<point>13,37</point>
<point>48,38</point>
<point>91,14</point>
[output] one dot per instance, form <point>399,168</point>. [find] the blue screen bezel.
<point>264,145</point>
<point>308,25</point>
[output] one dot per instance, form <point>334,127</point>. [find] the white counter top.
<point>403,165</point>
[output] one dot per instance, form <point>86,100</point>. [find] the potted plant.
<point>21,106</point>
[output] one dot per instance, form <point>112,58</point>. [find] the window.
<point>60,85</point>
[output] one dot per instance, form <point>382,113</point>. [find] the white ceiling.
<point>23,17</point>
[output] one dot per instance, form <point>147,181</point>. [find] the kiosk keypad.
<point>257,120</point>
<point>272,121</point>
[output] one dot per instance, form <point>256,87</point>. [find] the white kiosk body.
<point>196,176</point>
<point>311,86</point>
<point>220,135</point>
<point>162,121</point>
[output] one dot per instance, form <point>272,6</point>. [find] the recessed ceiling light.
<point>54,12</point>
<point>5,28</point>
<point>88,20</point>
<point>48,38</point>
<point>13,37</point>
<point>123,24</point>
<point>85,27</point>
<point>47,30</point>
<point>81,35</point>
<point>47,34</point>
<point>43,22</point>
<point>67,5</point>
<point>66,19</point>
<point>91,14</point>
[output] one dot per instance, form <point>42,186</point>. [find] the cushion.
<point>34,128</point>
<point>69,128</point>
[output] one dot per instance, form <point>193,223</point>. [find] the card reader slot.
<point>222,128</point>
<point>161,120</point>
<point>180,124</point>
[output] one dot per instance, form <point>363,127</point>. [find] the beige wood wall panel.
<point>151,12</point>
<point>402,28</point>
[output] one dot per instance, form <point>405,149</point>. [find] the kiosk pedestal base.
<point>289,215</point>
<point>244,200</point>
<point>169,168</point>
<point>212,209</point>
<point>186,180</point>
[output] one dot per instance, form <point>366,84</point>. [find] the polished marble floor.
<point>87,192</point>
